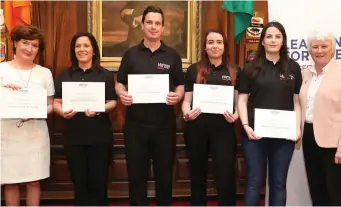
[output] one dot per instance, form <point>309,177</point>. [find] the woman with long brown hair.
<point>271,81</point>
<point>211,133</point>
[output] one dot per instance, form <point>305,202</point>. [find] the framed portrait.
<point>117,27</point>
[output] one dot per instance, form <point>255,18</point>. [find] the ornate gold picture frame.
<point>115,26</point>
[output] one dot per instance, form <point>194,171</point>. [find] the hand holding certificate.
<point>148,88</point>
<point>23,103</point>
<point>82,96</point>
<point>275,124</point>
<point>214,99</point>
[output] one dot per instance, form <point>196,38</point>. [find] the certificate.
<point>148,88</point>
<point>213,99</point>
<point>81,96</point>
<point>24,103</point>
<point>275,124</point>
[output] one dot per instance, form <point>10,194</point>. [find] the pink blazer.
<point>327,106</point>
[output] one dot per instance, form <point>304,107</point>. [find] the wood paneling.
<point>60,20</point>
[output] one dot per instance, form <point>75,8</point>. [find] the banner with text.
<point>300,18</point>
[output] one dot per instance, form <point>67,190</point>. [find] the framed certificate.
<point>23,103</point>
<point>152,88</point>
<point>275,124</point>
<point>81,96</point>
<point>213,99</point>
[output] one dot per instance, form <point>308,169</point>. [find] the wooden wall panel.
<point>261,8</point>
<point>60,20</point>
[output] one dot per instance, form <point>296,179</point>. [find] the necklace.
<point>22,80</point>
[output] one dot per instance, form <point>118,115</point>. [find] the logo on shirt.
<point>225,78</point>
<point>163,66</point>
<point>282,77</point>
<point>290,77</point>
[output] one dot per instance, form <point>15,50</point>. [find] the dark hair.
<point>96,56</point>
<point>27,32</point>
<point>204,67</point>
<point>257,63</point>
<point>153,9</point>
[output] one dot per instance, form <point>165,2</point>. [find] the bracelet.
<point>245,124</point>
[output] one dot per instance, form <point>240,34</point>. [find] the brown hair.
<point>28,32</point>
<point>95,58</point>
<point>257,64</point>
<point>204,67</point>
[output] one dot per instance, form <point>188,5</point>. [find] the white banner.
<point>300,18</point>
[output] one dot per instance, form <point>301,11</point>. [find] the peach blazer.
<point>327,106</point>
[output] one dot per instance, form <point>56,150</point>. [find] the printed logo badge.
<point>23,91</point>
<point>83,85</point>
<point>281,77</point>
<point>163,66</point>
<point>290,77</point>
<point>226,78</point>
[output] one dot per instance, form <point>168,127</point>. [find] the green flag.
<point>243,11</point>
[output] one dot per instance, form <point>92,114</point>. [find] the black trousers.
<point>89,168</point>
<point>324,176</point>
<point>143,143</point>
<point>211,134</point>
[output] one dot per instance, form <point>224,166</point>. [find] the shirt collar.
<point>324,69</point>
<point>268,62</point>
<point>74,69</point>
<point>142,46</point>
<point>219,67</point>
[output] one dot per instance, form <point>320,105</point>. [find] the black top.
<point>80,129</point>
<point>140,60</point>
<point>219,75</point>
<point>269,89</point>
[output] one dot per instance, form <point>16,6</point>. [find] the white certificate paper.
<point>24,103</point>
<point>275,124</point>
<point>81,96</point>
<point>213,99</point>
<point>148,88</point>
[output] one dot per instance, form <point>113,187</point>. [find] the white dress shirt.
<point>314,85</point>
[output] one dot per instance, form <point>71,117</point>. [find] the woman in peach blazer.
<point>320,98</point>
